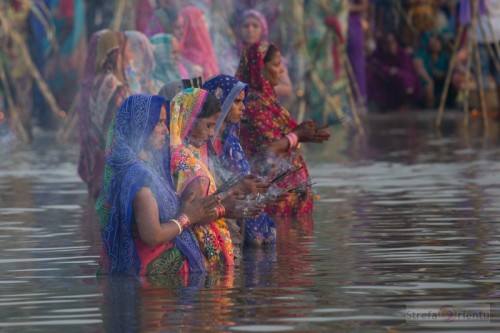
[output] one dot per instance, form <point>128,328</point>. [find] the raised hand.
<point>201,210</point>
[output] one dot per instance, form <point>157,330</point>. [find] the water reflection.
<point>408,217</point>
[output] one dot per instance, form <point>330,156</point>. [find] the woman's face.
<point>236,112</point>
<point>157,138</point>
<point>202,130</point>
<point>251,30</point>
<point>273,70</point>
<point>176,50</point>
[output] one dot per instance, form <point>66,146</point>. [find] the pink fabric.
<point>263,23</point>
<point>196,44</point>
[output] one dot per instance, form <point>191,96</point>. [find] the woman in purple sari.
<point>232,94</point>
<point>392,79</point>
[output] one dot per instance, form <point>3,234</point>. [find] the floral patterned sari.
<point>185,168</point>
<point>265,121</point>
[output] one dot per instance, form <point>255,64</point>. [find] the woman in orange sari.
<point>194,113</point>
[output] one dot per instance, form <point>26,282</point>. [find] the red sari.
<point>265,121</point>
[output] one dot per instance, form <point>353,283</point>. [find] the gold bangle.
<point>177,224</point>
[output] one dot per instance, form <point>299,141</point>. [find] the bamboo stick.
<point>44,89</point>
<point>491,52</point>
<point>451,65</point>
<point>354,110</point>
<point>482,98</point>
<point>16,119</point>
<point>467,74</point>
<point>350,72</point>
<point>117,20</point>
<point>496,42</point>
<point>73,119</point>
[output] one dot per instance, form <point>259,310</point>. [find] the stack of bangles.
<point>181,222</point>
<point>220,210</point>
<point>293,140</point>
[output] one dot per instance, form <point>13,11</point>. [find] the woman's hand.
<point>309,131</point>
<point>251,185</point>
<point>200,210</point>
<point>238,208</point>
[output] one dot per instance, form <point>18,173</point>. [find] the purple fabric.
<point>86,144</point>
<point>389,78</point>
<point>356,51</point>
<point>464,11</point>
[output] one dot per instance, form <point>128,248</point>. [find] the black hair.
<point>210,107</point>
<point>271,52</point>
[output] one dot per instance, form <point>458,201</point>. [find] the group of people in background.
<point>410,49</point>
<point>186,142</point>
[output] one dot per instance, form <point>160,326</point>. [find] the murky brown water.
<point>408,219</point>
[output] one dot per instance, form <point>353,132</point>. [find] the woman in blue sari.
<point>232,94</point>
<point>145,230</point>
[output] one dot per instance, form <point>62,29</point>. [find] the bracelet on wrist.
<point>221,211</point>
<point>183,220</point>
<point>177,223</point>
<point>293,140</point>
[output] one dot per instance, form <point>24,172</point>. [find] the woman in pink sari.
<point>269,134</point>
<point>197,50</point>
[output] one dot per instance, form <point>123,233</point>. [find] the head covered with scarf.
<point>165,69</point>
<point>225,88</point>
<point>265,119</point>
<point>196,45</point>
<point>138,62</point>
<point>125,175</point>
<point>214,238</point>
<point>264,37</point>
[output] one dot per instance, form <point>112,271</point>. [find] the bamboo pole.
<point>354,110</point>
<point>16,119</point>
<point>491,52</point>
<point>316,80</point>
<point>482,98</point>
<point>467,76</point>
<point>300,93</point>
<point>73,118</point>
<point>37,77</point>
<point>451,65</point>
<point>350,73</point>
<point>117,20</point>
<point>475,49</point>
<point>496,42</point>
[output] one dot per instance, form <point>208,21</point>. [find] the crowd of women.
<point>187,167</point>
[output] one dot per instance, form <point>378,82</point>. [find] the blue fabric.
<point>226,88</point>
<point>126,174</point>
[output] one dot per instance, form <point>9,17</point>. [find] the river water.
<point>408,221</point>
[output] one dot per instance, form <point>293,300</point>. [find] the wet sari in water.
<point>265,121</point>
<point>213,238</point>
<point>226,88</point>
<point>123,251</point>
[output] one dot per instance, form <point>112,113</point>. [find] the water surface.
<point>408,218</point>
